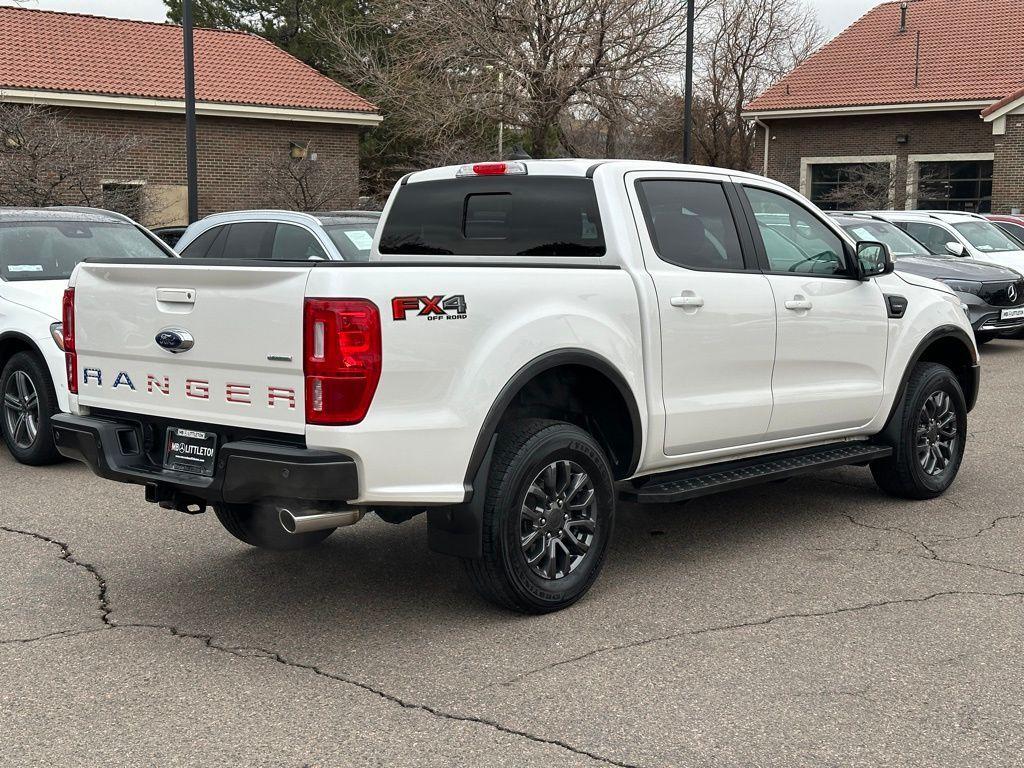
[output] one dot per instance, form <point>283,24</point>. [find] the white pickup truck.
<point>529,343</point>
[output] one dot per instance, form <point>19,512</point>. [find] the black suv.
<point>992,295</point>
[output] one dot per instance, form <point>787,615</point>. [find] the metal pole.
<point>501,125</point>
<point>191,164</point>
<point>688,97</point>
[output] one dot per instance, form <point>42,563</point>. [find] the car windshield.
<point>986,237</point>
<point>35,250</point>
<point>899,242</point>
<point>352,240</point>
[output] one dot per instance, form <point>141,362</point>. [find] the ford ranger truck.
<point>529,344</point>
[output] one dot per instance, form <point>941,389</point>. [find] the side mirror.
<point>956,249</point>
<point>874,259</point>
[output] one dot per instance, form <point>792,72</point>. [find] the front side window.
<point>932,236</point>
<point>495,216</point>
<point>353,241</point>
<point>795,240</point>
<point>52,250</point>
<point>1016,231</point>
<point>293,243</point>
<point>986,237</point>
<point>691,224</point>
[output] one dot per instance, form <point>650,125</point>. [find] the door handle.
<point>799,304</point>
<point>688,302</point>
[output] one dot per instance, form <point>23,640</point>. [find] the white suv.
<point>39,249</point>
<point>959,234</point>
<point>281,235</point>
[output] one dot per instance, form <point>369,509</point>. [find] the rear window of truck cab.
<point>495,216</point>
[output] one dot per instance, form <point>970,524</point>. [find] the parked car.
<point>529,341</point>
<point>329,236</point>
<point>170,235</point>
<point>959,234</point>
<point>993,296</point>
<point>39,249</point>
<point>1011,225</point>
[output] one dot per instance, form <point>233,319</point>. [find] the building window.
<point>958,185</point>
<point>124,197</point>
<point>851,186</point>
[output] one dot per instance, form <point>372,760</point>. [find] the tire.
<point>932,390</point>
<point>547,462</point>
<point>27,403</point>
<point>258,525</point>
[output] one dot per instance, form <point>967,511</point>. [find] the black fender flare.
<point>30,343</point>
<point>890,432</point>
<point>457,529</point>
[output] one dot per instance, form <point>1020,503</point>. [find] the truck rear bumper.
<point>246,470</point>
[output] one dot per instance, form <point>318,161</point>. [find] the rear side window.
<point>249,240</point>
<point>691,224</point>
<point>207,245</point>
<point>495,216</point>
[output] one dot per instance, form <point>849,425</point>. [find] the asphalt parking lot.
<point>809,623</point>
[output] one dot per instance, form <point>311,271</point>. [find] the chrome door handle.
<point>690,302</point>
<point>799,304</point>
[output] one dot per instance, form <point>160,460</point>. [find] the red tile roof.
<point>971,50</point>
<point>44,50</point>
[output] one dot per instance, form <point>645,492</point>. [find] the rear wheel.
<point>259,526</point>
<point>932,439</point>
<point>548,517</point>
<point>29,401</point>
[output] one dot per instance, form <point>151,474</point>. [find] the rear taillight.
<point>342,359</point>
<point>68,331</point>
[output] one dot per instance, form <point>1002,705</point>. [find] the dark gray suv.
<point>993,295</point>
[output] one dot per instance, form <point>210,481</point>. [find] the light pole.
<point>191,164</point>
<point>688,94</point>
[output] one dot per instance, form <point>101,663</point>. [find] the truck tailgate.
<point>244,367</point>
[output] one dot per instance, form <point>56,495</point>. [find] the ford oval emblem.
<point>175,340</point>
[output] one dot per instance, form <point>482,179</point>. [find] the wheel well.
<point>583,396</point>
<point>953,353</point>
<point>12,345</point>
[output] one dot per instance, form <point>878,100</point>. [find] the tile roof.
<point>45,50</point>
<point>971,50</point>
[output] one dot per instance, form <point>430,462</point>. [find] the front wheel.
<point>933,435</point>
<point>29,401</point>
<point>548,517</point>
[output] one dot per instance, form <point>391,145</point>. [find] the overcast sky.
<point>835,14</point>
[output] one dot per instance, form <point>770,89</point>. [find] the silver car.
<point>281,236</point>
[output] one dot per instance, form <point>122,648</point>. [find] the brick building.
<point>257,106</point>
<point>927,93</point>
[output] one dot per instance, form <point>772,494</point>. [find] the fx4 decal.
<point>430,307</point>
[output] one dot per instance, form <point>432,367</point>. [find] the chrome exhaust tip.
<point>300,522</point>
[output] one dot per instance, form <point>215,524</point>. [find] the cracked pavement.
<point>809,623</point>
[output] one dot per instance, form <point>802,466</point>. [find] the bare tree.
<point>746,46</point>
<point>445,72</point>
<point>44,161</point>
<point>306,183</point>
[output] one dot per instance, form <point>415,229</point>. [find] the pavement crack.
<point>251,652</point>
<point>53,635</point>
<point>68,556</point>
<point>739,626</point>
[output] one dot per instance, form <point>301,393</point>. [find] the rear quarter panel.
<point>441,376</point>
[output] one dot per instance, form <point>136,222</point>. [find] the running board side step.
<point>715,478</point>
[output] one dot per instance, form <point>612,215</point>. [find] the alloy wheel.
<point>21,409</point>
<point>557,522</point>
<point>938,433</point>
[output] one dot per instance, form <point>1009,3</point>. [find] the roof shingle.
<point>971,50</point>
<point>44,50</point>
